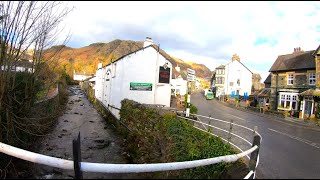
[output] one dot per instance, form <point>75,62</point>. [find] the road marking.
<point>297,138</point>
<point>239,118</point>
<point>206,128</point>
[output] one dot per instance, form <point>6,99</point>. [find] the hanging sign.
<point>164,75</point>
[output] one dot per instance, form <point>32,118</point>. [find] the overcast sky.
<point>202,32</point>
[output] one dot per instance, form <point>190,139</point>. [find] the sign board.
<point>191,71</point>
<point>164,75</point>
<point>140,86</point>
<point>191,77</point>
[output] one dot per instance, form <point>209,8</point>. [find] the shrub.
<point>155,138</point>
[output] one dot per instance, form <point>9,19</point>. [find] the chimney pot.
<point>99,65</point>
<point>147,42</point>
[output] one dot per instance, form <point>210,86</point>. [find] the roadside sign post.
<point>190,78</point>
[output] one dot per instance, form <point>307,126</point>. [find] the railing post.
<point>230,129</point>
<point>254,155</point>
<point>77,158</point>
<point>255,129</point>
<point>209,122</point>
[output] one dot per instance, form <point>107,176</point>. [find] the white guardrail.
<point>115,168</point>
<point>227,122</point>
<point>125,168</point>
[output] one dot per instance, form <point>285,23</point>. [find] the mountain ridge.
<point>85,59</point>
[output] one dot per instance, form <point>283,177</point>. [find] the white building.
<point>233,78</point>
<point>80,77</point>
<point>198,83</point>
<point>143,76</point>
<point>20,66</point>
<point>179,86</point>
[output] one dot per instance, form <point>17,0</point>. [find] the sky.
<point>202,32</point>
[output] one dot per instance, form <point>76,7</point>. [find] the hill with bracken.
<point>86,59</point>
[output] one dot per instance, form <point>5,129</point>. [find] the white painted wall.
<point>179,84</point>
<point>80,77</point>
<point>141,67</point>
<point>18,69</point>
<point>198,84</point>
<point>235,70</point>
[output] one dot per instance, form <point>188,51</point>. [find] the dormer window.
<point>290,79</point>
<point>220,71</point>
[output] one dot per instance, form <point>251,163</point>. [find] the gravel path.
<point>98,142</point>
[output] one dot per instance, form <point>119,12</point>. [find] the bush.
<point>155,138</point>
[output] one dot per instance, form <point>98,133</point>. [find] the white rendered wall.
<point>78,77</point>
<point>139,67</point>
<point>234,71</point>
<point>180,84</point>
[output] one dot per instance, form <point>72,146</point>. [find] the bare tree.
<point>24,25</point>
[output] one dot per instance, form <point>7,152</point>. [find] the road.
<point>287,150</point>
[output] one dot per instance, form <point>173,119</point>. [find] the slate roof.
<point>265,92</point>
<point>163,53</point>
<point>311,92</point>
<point>220,67</point>
<point>294,61</point>
<point>242,65</point>
<point>316,52</point>
<point>23,63</point>
<point>268,79</point>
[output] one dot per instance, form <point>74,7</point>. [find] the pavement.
<point>305,123</point>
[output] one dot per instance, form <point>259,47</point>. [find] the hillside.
<point>86,59</point>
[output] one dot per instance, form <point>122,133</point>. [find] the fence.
<point>205,127</point>
<point>80,167</point>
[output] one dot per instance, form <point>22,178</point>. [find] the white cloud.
<point>204,32</point>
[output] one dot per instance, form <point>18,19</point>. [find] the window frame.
<point>312,78</point>
<point>289,78</point>
<point>285,97</point>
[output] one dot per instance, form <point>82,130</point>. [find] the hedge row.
<point>155,138</point>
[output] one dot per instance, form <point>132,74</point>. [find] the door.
<point>307,108</point>
<point>106,88</point>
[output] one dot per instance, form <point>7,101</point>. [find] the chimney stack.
<point>297,50</point>
<point>147,42</point>
<point>235,57</point>
<point>99,65</point>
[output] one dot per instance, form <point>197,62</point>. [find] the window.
<point>220,80</point>
<point>220,71</point>
<point>238,82</point>
<point>288,101</point>
<point>312,78</point>
<point>231,83</point>
<point>290,79</point>
<point>294,102</point>
<point>282,100</point>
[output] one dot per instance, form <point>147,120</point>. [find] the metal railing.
<point>80,167</point>
<point>206,129</point>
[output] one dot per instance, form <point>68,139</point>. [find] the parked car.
<point>209,95</point>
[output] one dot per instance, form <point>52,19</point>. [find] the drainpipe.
<point>156,78</point>
<point>277,90</point>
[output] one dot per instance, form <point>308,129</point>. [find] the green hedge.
<point>155,138</point>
